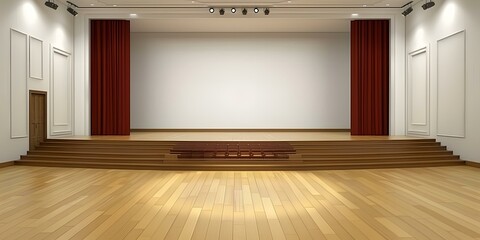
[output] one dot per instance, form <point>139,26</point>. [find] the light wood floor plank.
<point>60,203</point>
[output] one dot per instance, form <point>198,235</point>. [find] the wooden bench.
<point>230,149</point>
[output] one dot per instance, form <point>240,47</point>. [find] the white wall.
<point>51,29</point>
<point>240,80</point>
<point>449,32</point>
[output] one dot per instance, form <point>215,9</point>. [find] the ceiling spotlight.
<point>233,10</point>
<point>72,11</point>
<point>51,4</point>
<point>222,12</point>
<point>211,10</point>
<point>256,10</point>
<point>266,11</point>
<point>244,11</point>
<point>428,4</point>
<point>70,8</point>
<point>407,11</point>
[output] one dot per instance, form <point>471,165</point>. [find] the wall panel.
<point>418,89</point>
<point>36,58</point>
<point>61,92</point>
<point>18,84</point>
<point>451,85</point>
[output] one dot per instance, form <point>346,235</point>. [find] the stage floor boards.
<point>70,203</point>
<point>239,136</point>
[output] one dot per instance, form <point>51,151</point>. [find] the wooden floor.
<point>248,135</point>
<point>70,203</point>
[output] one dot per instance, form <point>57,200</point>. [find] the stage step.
<point>307,155</point>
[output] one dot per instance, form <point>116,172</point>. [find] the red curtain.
<point>370,48</point>
<point>110,77</point>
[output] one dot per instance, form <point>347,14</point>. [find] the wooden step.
<point>240,167</point>
<point>374,154</point>
<point>309,155</point>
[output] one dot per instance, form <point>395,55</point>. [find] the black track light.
<point>211,10</point>
<point>233,10</point>
<point>407,11</point>
<point>256,10</point>
<point>72,11</point>
<point>222,11</point>
<point>428,4</point>
<point>51,4</point>
<point>70,8</point>
<point>266,11</point>
<point>244,11</point>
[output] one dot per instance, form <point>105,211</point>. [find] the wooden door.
<point>37,118</point>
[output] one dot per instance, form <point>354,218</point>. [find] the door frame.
<point>30,93</point>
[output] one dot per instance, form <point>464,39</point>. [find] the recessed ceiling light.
<point>114,5</point>
<point>354,14</point>
<point>133,15</point>
<point>289,1</point>
<point>364,5</point>
<point>233,10</point>
<point>91,4</point>
<point>388,5</point>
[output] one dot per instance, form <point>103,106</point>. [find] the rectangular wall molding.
<point>18,84</point>
<point>36,58</point>
<point>418,92</point>
<point>451,72</point>
<point>61,88</point>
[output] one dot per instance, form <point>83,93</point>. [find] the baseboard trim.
<point>472,164</point>
<point>237,130</point>
<point>7,164</point>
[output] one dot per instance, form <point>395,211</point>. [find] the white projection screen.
<point>240,80</point>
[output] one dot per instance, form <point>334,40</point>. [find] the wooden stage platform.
<point>237,150</point>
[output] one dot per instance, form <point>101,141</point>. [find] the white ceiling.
<point>241,3</point>
<point>193,15</point>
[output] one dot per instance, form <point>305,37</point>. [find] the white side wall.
<point>240,80</point>
<point>450,34</point>
<point>50,29</point>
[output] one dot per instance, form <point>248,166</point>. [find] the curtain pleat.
<point>370,70</point>
<point>110,77</point>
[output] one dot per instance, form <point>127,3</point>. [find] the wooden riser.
<point>241,167</point>
<point>309,155</point>
<point>96,154</point>
<point>368,150</point>
<point>374,154</point>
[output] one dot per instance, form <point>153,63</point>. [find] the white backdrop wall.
<point>448,34</point>
<point>36,31</point>
<point>240,80</point>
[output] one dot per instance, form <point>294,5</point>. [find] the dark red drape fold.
<point>370,65</point>
<point>110,77</point>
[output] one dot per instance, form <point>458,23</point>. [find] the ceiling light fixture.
<point>266,11</point>
<point>72,11</point>
<point>407,11</point>
<point>244,11</point>
<point>211,10</point>
<point>256,10</point>
<point>428,4</point>
<point>70,8</point>
<point>51,4</point>
<point>233,10</point>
